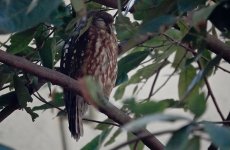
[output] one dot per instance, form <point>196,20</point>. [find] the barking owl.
<point>94,53</point>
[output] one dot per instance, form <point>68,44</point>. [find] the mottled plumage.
<point>93,53</point>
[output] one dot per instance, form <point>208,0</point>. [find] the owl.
<point>93,53</point>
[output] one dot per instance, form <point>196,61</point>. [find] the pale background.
<point>20,133</point>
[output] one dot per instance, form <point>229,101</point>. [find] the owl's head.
<point>103,20</point>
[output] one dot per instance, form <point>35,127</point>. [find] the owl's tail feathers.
<point>75,114</point>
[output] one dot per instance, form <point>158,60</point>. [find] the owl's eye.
<point>100,23</point>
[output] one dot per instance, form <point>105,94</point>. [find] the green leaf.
<point>102,126</point>
<point>156,24</point>
<point>142,74</point>
<point>186,5</point>
<point>145,9</point>
<point>130,62</point>
<point>20,15</point>
<point>93,5</point>
<point>5,147</point>
<point>125,28</point>
<point>57,101</point>
<point>201,74</point>
<point>20,41</point>
<point>122,78</point>
<point>147,107</point>
<point>96,143</point>
<point>46,53</point>
<point>22,92</point>
<point>41,34</point>
<point>180,53</point>
<point>4,78</point>
<point>193,144</point>
<point>197,104</point>
<point>179,139</point>
<point>199,17</point>
<point>113,137</point>
<point>78,5</point>
<point>7,98</point>
<point>140,145</point>
<point>186,78</point>
<point>220,136</point>
<point>143,121</point>
<point>32,114</point>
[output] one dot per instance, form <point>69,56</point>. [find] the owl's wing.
<point>71,64</point>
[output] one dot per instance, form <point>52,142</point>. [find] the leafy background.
<point>184,95</point>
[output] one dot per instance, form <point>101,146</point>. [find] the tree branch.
<point>78,87</point>
<point>215,45</point>
<point>7,111</point>
<point>218,47</point>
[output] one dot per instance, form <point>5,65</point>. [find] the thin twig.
<point>136,145</point>
<point>211,93</point>
<point>171,75</point>
<point>193,52</point>
<point>154,82</point>
<point>5,87</point>
<point>44,101</point>
<point>102,122</point>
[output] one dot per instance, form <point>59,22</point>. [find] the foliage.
<point>179,28</point>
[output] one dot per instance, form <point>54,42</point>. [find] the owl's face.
<point>104,21</point>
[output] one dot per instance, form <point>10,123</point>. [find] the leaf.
<point>193,144</point>
<point>113,137</point>
<point>157,24</point>
<point>46,53</point>
<point>41,34</point>
<point>7,98</point>
<point>130,62</point>
<point>22,92</point>
<point>19,41</point>
<point>32,113</point>
<point>202,73</point>
<point>4,147</point>
<point>78,5</point>
<point>4,78</point>
<point>201,16</point>
<point>186,5</point>
<point>143,121</point>
<point>142,74</point>
<point>179,139</point>
<point>146,10</point>
<point>186,78</point>
<point>122,78</point>
<point>96,143</point>
<point>220,136</point>
<point>140,145</point>
<point>57,101</point>
<point>180,53</point>
<point>102,126</point>
<point>93,5</point>
<point>15,16</point>
<point>125,28</point>
<point>145,108</point>
<point>197,104</point>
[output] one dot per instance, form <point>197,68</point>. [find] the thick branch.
<point>78,87</point>
<point>7,111</point>
<point>218,47</point>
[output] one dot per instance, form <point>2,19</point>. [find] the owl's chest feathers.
<point>101,61</point>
